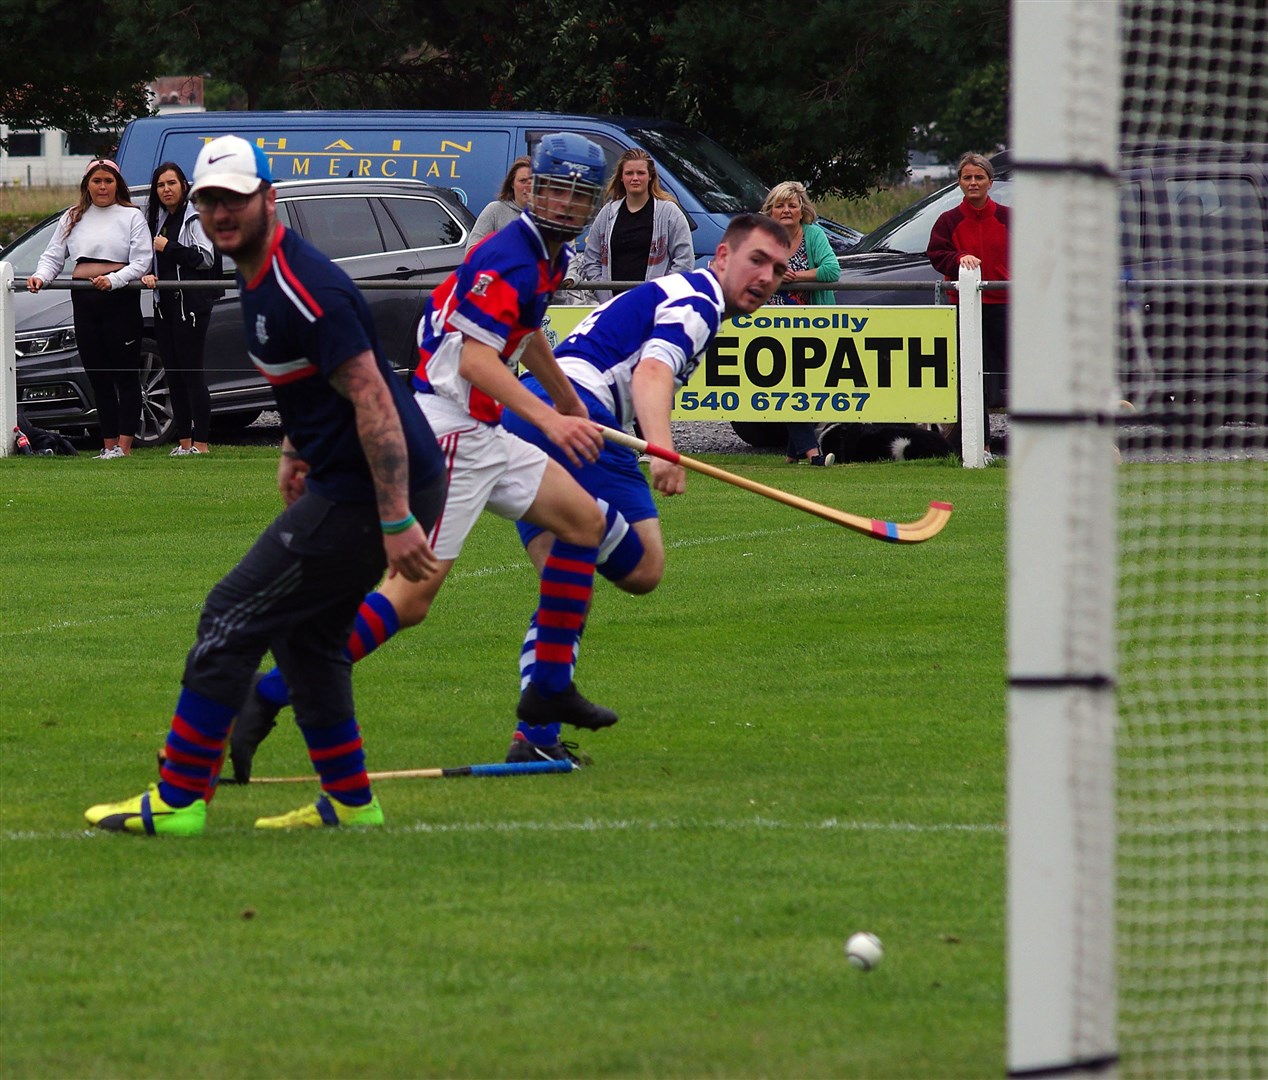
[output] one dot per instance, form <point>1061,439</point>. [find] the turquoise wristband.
<point>391,528</point>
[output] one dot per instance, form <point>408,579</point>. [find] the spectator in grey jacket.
<point>509,204</point>
<point>640,233</point>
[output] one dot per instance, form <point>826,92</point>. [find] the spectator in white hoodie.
<point>105,238</point>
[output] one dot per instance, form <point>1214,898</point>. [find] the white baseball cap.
<point>232,163</point>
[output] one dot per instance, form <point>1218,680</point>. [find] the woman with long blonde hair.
<point>106,239</point>
<point>640,233</point>
<point>812,259</point>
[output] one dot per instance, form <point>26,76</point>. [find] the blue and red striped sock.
<point>195,748</point>
<point>540,734</point>
<point>567,586</point>
<point>339,759</point>
<point>376,622</point>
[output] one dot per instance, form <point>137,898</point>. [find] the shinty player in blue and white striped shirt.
<point>627,360</point>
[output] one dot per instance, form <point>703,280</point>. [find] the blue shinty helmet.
<point>566,164</point>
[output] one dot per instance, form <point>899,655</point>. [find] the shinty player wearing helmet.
<point>482,322</point>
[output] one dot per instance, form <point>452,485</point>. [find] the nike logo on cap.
<point>213,160</point>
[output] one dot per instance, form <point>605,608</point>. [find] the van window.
<point>1217,213</point>
<point>1131,222</point>
<point>424,222</point>
<point>340,228</point>
<point>720,183</point>
<point>612,150</point>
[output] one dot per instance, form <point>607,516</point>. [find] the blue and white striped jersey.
<point>671,319</point>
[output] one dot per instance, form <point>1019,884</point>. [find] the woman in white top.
<point>509,204</point>
<point>640,233</point>
<point>105,239</point>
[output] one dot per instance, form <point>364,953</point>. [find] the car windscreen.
<point>909,231</point>
<point>720,183</point>
<point>25,252</point>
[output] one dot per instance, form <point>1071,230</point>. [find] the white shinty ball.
<point>864,950</point>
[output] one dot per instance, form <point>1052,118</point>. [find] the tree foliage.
<point>311,54</point>
<point>67,65</point>
<point>974,117</point>
<point>828,93</point>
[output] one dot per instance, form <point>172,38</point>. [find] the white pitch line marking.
<point>629,825</point>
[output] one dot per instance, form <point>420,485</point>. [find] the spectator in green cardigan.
<point>812,260</point>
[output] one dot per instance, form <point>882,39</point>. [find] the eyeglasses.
<point>230,200</point>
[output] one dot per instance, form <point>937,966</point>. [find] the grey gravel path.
<point>706,437</point>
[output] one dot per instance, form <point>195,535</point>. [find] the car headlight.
<point>48,341</point>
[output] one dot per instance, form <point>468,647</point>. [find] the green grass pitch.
<point>812,743</point>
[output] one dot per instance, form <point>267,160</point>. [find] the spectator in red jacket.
<point>974,235</point>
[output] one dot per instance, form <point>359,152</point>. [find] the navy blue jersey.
<point>304,318</point>
<point>670,319</point>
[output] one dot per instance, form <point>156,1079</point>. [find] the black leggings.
<point>108,330</point>
<point>995,355</point>
<point>180,343</point>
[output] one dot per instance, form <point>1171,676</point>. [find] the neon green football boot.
<point>148,815</point>
<point>326,812</point>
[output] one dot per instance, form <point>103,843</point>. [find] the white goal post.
<point>8,362</point>
<point>1060,540</point>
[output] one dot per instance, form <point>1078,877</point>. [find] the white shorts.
<point>487,466</point>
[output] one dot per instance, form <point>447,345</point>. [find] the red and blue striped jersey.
<point>304,318</point>
<point>498,296</point>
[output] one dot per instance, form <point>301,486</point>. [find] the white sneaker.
<point>181,451</point>
<point>113,452</point>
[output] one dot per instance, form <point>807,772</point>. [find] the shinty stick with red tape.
<point>912,532</point>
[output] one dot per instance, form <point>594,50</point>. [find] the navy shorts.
<point>296,592</point>
<point>615,477</point>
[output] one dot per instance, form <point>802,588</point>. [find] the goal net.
<point>1192,773</point>
<point>1138,542</point>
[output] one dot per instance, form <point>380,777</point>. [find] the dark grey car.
<point>376,230</point>
<point>1193,247</point>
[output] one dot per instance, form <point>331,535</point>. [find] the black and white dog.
<point>883,442</point>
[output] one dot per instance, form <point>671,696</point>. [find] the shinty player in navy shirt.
<point>361,477</point>
<point>478,325</point>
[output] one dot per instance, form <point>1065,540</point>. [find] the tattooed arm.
<point>383,442</point>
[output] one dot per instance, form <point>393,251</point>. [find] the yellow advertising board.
<point>881,365</point>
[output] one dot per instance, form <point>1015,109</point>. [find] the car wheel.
<point>764,436</point>
<point>155,427</point>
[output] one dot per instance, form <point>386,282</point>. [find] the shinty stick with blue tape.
<point>912,532</point>
<point>517,768</point>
